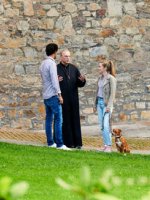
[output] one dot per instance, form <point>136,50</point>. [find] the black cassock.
<point>71,118</point>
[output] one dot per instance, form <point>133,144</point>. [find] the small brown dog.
<point>120,141</point>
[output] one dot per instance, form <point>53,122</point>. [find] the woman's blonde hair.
<point>109,65</point>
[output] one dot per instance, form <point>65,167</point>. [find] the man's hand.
<point>60,78</point>
<point>81,78</point>
<point>60,99</point>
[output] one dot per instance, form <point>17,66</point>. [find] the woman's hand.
<point>94,110</point>
<point>107,110</point>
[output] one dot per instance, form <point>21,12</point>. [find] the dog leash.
<point>110,122</point>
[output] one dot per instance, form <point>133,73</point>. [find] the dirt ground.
<point>24,136</point>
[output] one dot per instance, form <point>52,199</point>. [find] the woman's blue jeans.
<point>53,110</point>
<point>104,121</point>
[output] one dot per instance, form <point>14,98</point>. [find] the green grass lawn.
<point>39,166</point>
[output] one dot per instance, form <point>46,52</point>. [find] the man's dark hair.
<point>51,49</point>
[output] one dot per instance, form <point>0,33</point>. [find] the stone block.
<point>39,44</point>
<point>70,7</point>
<point>79,21</point>
<point>100,13</point>
<point>140,4</point>
<point>28,8</point>
<point>130,8</point>
<point>95,23</point>
<point>143,22</point>
<point>49,23</point>
<point>12,114</point>
<point>19,70</point>
<point>129,21</point>
<point>114,8</point>
<point>137,38</point>
<point>86,13</point>
<point>92,119</point>
<point>60,41</point>
<point>105,22</point>
<point>148,22</point>
<point>112,41</point>
<point>21,123</point>
<point>107,33</point>
<point>41,110</point>
<point>46,7</point>
<point>132,31</point>
<point>17,1</point>
<point>6,69</point>
<point>142,55</point>
<point>55,1</point>
<point>143,32</point>
<point>52,13</point>
<point>96,51</point>
<point>123,117</point>
<point>140,105</point>
<point>134,116</point>
<point>78,39</point>
<point>145,114</point>
<point>13,43</point>
<point>125,39</point>
<point>129,106</point>
<point>93,6</point>
<point>81,7</point>
<point>29,113</point>
<point>32,69</point>
<point>1,9</point>
<point>124,77</point>
<point>146,36</point>
<point>18,53</point>
<point>23,26</point>
<point>146,74</point>
<point>64,22</point>
<point>88,110</point>
<point>39,10</point>
<point>38,125</point>
<point>121,55</point>
<point>115,22</point>
<point>2,114</point>
<point>88,25</point>
<point>11,12</point>
<point>30,52</point>
<point>42,25</point>
<point>128,46</point>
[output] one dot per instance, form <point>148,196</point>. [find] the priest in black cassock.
<point>70,80</point>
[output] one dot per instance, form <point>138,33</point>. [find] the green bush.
<point>100,189</point>
<point>9,191</point>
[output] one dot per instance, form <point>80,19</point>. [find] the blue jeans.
<point>53,110</point>
<point>104,122</point>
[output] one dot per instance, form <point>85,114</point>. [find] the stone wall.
<point>118,28</point>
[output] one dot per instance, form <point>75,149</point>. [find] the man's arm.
<point>54,77</point>
<point>55,82</point>
<point>81,80</point>
<point>113,83</point>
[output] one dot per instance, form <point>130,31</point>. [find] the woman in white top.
<point>105,95</point>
